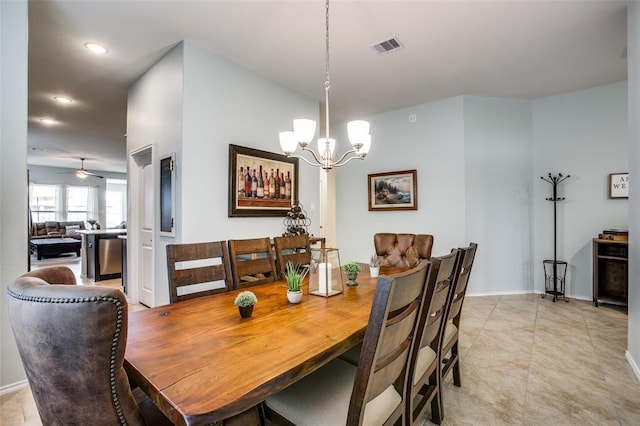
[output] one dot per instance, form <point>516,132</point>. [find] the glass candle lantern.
<point>325,272</point>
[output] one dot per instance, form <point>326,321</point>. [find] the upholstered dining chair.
<point>450,350</point>
<point>252,262</point>
<point>423,385</point>
<point>373,392</point>
<point>295,249</point>
<point>402,250</point>
<point>198,269</point>
<point>71,340</point>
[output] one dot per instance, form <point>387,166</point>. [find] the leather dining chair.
<point>402,250</point>
<point>295,249</point>
<point>193,267</point>
<point>373,392</point>
<point>71,339</point>
<point>452,329</point>
<point>252,262</point>
<point>424,385</point>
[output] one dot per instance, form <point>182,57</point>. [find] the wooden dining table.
<point>200,362</point>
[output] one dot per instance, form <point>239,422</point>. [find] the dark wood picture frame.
<point>619,185</point>
<point>242,206</point>
<point>393,191</point>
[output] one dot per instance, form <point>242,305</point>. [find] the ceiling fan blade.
<point>94,175</point>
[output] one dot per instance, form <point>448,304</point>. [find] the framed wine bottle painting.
<point>261,183</point>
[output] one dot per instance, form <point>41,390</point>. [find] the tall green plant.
<point>294,274</point>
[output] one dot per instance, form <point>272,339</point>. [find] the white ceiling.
<point>509,48</point>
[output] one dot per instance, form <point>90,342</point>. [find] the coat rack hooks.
<point>553,277</point>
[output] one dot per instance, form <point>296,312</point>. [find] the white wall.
<point>195,104</point>
<point>633,61</point>
<point>154,118</point>
<point>227,104</point>
<point>497,186</point>
<point>13,172</point>
<point>62,176</point>
<point>583,134</point>
<point>434,145</point>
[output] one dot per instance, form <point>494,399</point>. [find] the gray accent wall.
<point>479,163</point>
<point>633,60</point>
<point>13,173</point>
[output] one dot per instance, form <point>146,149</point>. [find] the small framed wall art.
<point>619,185</point>
<point>261,183</point>
<point>393,191</point>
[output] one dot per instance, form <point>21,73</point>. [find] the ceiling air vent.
<point>387,46</point>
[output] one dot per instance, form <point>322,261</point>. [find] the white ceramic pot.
<point>374,271</point>
<point>294,296</point>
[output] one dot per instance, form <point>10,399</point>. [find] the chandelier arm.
<point>344,156</point>
<point>316,164</point>
<point>315,156</point>
<point>340,163</point>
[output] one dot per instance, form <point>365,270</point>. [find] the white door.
<point>145,287</point>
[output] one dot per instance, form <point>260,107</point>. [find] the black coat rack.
<point>554,290</point>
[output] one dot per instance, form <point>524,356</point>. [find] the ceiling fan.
<point>82,173</point>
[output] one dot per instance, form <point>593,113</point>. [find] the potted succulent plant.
<point>294,276</point>
<point>245,301</point>
<point>374,265</point>
<point>352,270</point>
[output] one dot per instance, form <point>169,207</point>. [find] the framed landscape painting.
<point>393,191</point>
<point>261,183</point>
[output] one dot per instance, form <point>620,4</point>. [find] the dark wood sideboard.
<point>610,271</point>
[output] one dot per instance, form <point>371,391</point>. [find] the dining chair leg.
<point>456,365</point>
<point>437,413</point>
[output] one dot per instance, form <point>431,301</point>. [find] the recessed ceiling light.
<point>48,121</point>
<point>63,99</point>
<point>96,48</point>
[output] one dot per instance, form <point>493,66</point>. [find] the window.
<point>116,202</point>
<point>43,202</point>
<point>62,203</point>
<point>77,197</point>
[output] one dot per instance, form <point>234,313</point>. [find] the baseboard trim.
<point>633,364</point>
<point>516,292</point>
<point>13,387</point>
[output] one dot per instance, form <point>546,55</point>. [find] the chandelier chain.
<point>327,82</point>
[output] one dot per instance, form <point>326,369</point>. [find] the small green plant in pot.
<point>374,265</point>
<point>245,301</point>
<point>352,269</point>
<point>295,274</point>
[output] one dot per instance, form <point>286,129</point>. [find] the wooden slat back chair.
<point>452,329</point>
<point>191,266</point>
<point>423,384</point>
<point>71,339</point>
<point>295,249</point>
<point>340,393</point>
<point>252,262</point>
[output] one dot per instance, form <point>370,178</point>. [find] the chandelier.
<point>304,130</point>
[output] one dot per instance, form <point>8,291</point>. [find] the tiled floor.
<point>525,361</point>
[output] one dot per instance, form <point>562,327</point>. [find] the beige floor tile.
<point>549,409</point>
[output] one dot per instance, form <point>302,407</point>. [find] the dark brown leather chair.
<point>72,340</point>
<point>295,249</point>
<point>186,277</point>
<point>374,392</point>
<point>252,262</point>
<point>452,326</point>
<point>424,386</point>
<point>402,250</point>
